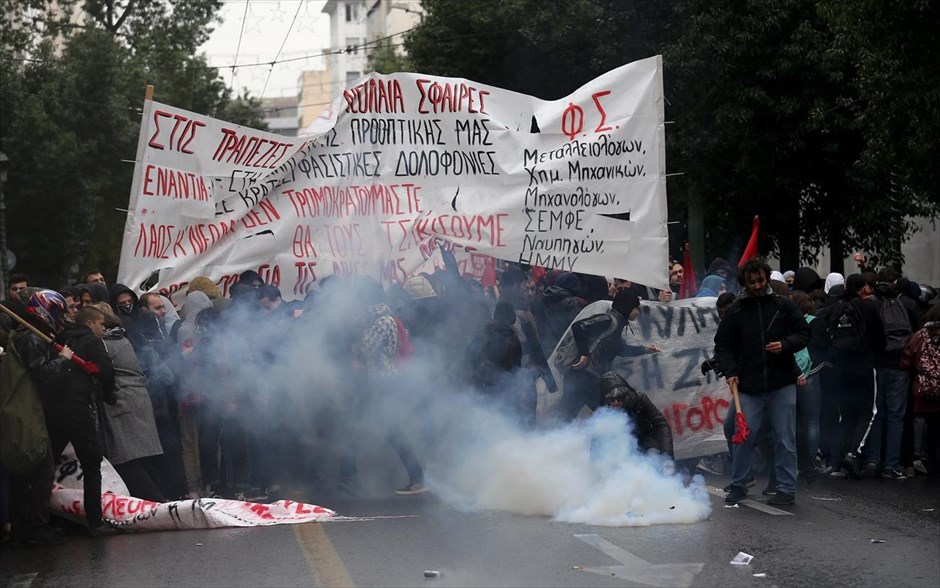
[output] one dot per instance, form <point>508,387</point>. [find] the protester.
<point>649,425</point>
<point>587,351</point>
<point>128,426</point>
<point>754,345</point>
<point>30,490</point>
<point>855,337</point>
<point>73,414</point>
<point>922,358</point>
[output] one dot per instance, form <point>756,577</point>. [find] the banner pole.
<point>148,95</point>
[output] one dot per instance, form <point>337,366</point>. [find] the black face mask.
<point>126,308</point>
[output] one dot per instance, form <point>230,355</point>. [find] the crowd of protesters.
<point>236,395</point>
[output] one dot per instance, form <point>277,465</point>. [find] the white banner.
<point>398,166</point>
<point>135,514</point>
<point>695,405</point>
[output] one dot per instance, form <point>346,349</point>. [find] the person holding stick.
<point>754,346</point>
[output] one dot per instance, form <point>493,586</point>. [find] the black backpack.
<point>846,328</point>
<point>897,324</point>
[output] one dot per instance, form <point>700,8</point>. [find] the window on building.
<point>352,45</point>
<point>352,76</point>
<point>349,12</point>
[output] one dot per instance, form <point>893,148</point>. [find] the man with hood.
<point>649,425</point>
<point>713,285</point>
<point>94,292</point>
<point>141,328</point>
<point>590,349</point>
<point>755,346</point>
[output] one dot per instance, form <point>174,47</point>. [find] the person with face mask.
<point>141,328</point>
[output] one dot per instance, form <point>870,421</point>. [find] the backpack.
<point>897,324</point>
<point>568,352</point>
<point>24,441</point>
<point>846,328</point>
<point>928,372</point>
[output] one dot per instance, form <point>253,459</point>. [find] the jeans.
<point>891,403</point>
<point>779,407</point>
<point>808,401</point>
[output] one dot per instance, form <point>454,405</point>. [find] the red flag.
<point>688,288</point>
<point>489,272</point>
<point>750,251</point>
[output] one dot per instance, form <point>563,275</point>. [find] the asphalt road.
<point>826,540</point>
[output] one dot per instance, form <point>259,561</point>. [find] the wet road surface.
<point>826,540</point>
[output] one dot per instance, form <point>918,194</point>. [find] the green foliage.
<point>385,60</point>
<point>71,119</point>
<point>820,116</point>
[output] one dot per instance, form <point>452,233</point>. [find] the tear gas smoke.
<point>299,377</point>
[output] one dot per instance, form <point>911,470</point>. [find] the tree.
<point>819,116</point>
<point>74,118</point>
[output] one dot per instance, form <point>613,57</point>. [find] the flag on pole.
<point>751,250</point>
<point>689,287</point>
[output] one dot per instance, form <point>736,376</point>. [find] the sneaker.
<point>919,467</point>
<point>839,473</point>
<point>893,474</point>
<point>736,495</point>
<point>412,489</point>
<point>751,482</point>
<point>770,490</point>
<point>711,464</point>
<point>870,470</point>
<point>39,537</point>
<point>850,465</point>
<point>781,499</point>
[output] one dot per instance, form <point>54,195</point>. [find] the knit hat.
<point>206,286</point>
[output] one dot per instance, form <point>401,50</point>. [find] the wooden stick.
<point>737,399</point>
<point>18,319</point>
<point>148,95</point>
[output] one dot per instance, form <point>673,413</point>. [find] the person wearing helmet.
<point>30,492</point>
<point>649,425</point>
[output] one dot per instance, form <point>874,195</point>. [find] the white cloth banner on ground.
<point>397,167</point>
<point>135,514</point>
<point>695,405</point>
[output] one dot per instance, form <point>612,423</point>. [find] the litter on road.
<point>742,559</point>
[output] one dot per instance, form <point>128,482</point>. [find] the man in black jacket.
<point>754,347</point>
<point>649,425</point>
<point>597,340</point>
<point>72,414</point>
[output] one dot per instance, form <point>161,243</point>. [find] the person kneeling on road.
<point>649,425</point>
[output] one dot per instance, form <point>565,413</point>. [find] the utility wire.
<point>284,42</point>
<point>238,47</point>
<point>350,49</point>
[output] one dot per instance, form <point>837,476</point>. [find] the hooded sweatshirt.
<point>711,286</point>
<point>833,279</point>
<point>140,327</point>
<point>195,303</point>
<point>806,280</point>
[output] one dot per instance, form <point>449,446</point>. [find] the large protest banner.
<point>397,167</point>
<point>694,404</point>
<point>135,514</point>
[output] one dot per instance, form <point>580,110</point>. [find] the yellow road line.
<point>327,566</point>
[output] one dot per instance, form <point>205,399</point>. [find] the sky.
<point>266,26</point>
